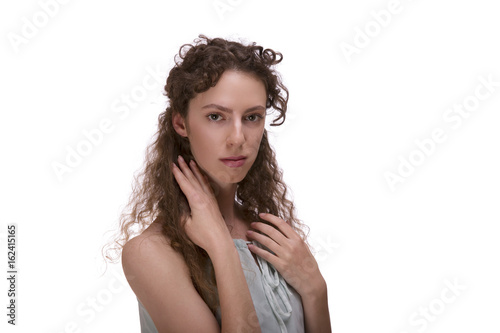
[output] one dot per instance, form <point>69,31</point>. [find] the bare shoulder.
<point>152,245</point>
<point>161,280</point>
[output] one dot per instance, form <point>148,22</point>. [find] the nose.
<point>236,136</point>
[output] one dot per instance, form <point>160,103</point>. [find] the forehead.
<point>234,90</point>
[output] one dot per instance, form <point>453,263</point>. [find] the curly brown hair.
<point>156,196</point>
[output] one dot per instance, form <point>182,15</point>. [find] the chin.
<point>232,179</point>
<point>225,178</point>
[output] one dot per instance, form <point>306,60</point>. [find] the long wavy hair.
<point>156,196</point>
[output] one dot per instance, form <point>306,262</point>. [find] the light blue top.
<point>278,305</point>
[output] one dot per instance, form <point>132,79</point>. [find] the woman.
<point>224,251</point>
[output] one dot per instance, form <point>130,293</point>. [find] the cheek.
<point>258,138</point>
<point>203,145</point>
<point>254,144</point>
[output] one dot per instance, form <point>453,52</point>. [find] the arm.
<point>237,310</point>
<point>315,305</point>
<point>161,280</point>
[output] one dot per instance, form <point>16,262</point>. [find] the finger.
<point>270,232</point>
<point>186,169</point>
<point>266,255</point>
<point>266,241</point>
<point>202,179</point>
<point>283,226</point>
<point>183,182</point>
<point>188,172</point>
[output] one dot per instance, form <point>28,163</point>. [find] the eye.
<point>213,117</point>
<point>256,118</point>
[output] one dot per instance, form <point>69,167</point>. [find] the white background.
<point>385,254</point>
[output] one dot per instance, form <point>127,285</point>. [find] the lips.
<point>234,158</point>
<point>234,161</point>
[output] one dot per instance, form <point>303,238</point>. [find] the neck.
<point>225,198</point>
<point>225,195</point>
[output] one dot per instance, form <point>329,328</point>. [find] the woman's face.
<point>226,121</point>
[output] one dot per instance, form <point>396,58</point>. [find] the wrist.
<point>221,248</point>
<point>317,289</point>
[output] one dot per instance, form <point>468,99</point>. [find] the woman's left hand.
<point>292,257</point>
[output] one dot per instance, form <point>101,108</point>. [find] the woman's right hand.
<point>205,226</point>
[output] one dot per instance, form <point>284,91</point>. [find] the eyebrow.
<point>228,110</point>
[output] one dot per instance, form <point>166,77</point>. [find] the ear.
<point>179,124</point>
